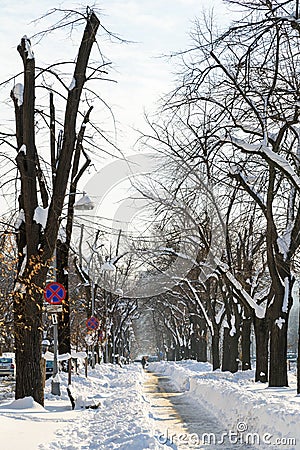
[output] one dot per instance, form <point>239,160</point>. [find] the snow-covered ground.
<point>251,412</point>
<point>124,419</point>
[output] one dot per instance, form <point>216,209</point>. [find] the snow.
<point>107,267</point>
<point>25,404</point>
<point>272,413</point>
<point>232,328</point>
<point>286,295</point>
<point>73,84</point>
<point>280,161</point>
<point>18,91</point>
<point>279,322</point>
<point>30,54</point>
<point>121,421</point>
<point>124,418</point>
<point>62,234</point>
<point>284,241</point>
<point>40,215</point>
<point>20,219</point>
<point>84,203</point>
<point>259,310</point>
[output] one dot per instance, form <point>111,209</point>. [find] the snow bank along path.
<point>239,403</point>
<point>122,421</point>
<point>125,420</point>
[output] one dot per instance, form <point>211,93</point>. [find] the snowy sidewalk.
<point>125,420</point>
<point>266,417</point>
<point>122,420</point>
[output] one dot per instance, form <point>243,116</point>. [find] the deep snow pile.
<point>124,419</point>
<point>238,402</point>
<point>121,421</point>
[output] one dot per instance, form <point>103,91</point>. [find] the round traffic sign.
<point>92,323</point>
<point>54,293</point>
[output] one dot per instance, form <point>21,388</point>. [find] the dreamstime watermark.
<point>120,206</point>
<point>239,437</point>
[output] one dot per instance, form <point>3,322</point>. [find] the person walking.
<point>144,362</point>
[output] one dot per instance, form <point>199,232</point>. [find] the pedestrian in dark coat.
<point>144,362</point>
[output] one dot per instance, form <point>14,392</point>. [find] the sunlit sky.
<point>154,27</point>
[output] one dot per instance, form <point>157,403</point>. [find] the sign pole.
<point>92,324</point>
<point>54,295</point>
<point>93,308</point>
<point>55,384</point>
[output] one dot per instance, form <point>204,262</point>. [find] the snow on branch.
<point>259,310</point>
<point>194,291</point>
<point>20,219</point>
<point>27,44</point>
<point>284,242</point>
<point>18,91</point>
<point>40,216</point>
<point>279,161</point>
<point>243,180</point>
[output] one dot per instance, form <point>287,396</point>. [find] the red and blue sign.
<point>92,323</point>
<point>54,293</point>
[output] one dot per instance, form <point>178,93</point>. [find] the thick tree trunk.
<point>246,343</point>
<point>62,257</point>
<point>202,349</point>
<point>177,353</point>
<point>215,347</point>
<point>171,354</point>
<point>28,302</point>
<point>261,349</point>
<point>230,352</point>
<point>278,376</point>
<point>28,342</point>
<point>278,315</point>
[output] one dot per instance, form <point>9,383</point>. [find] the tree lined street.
<point>186,249</point>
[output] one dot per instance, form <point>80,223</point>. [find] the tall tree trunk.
<point>278,376</point>
<point>28,341</point>
<point>62,258</point>
<point>230,352</point>
<point>215,346</point>
<point>261,350</point>
<point>202,349</point>
<point>278,315</point>
<point>246,342</point>
<point>28,300</point>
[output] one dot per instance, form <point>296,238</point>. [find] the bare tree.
<point>247,79</point>
<point>37,238</point>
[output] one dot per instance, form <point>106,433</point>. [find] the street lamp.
<point>84,203</point>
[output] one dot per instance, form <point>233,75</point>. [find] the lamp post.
<point>93,312</point>
<point>84,203</point>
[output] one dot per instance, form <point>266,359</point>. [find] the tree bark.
<point>261,349</point>
<point>246,343</point>
<point>28,301</point>
<point>278,376</point>
<point>230,352</point>
<point>215,347</point>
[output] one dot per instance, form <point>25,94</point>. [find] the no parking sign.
<point>54,293</point>
<point>92,323</point>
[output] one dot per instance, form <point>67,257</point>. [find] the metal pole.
<point>55,385</point>
<point>93,311</point>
